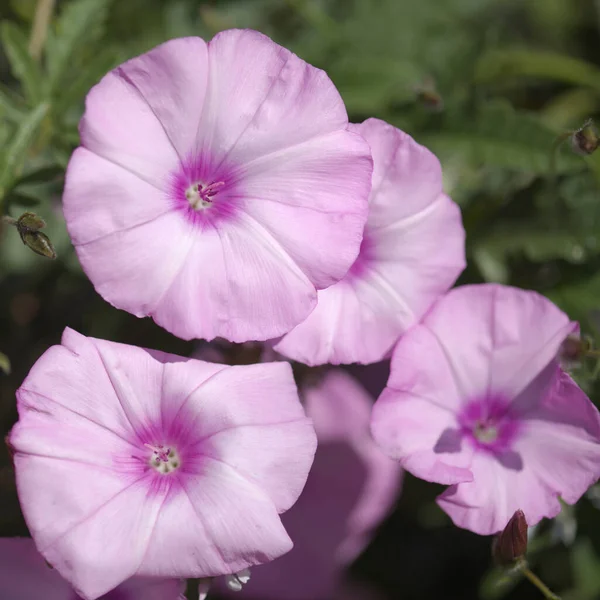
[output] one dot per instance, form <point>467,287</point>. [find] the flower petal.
<point>261,431</point>
<point>361,318</point>
<point>312,198</point>
<point>237,283</point>
<point>119,126</point>
<point>424,436</point>
<point>407,177</point>
<point>225,532</point>
<point>171,80</point>
<point>497,338</point>
<point>350,489</point>
<point>269,100</point>
<point>101,198</point>
<point>133,269</point>
<point>109,544</point>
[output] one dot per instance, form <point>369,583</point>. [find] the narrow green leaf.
<point>17,150</point>
<point>42,175</point>
<point>503,65</point>
<point>79,24</point>
<point>12,106</point>
<point>23,67</point>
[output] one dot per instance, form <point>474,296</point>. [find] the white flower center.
<point>200,196</point>
<point>485,433</point>
<point>163,459</point>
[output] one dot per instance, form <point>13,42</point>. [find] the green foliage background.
<point>489,85</point>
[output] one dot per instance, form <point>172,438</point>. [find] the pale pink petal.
<point>133,269</point>
<point>73,377</point>
<point>25,575</point>
<point>312,198</point>
<point>85,552</point>
<point>402,268</point>
<point>423,436</point>
<point>217,293</point>
<point>355,321</point>
<point>119,126</point>
<point>496,338</point>
<point>102,198</point>
<point>171,80</point>
<point>261,431</point>
<point>230,525</point>
<point>361,318</point>
<point>419,258</point>
<point>407,177</point>
<point>556,454</point>
<point>262,98</point>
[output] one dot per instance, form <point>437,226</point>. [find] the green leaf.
<point>80,24</point>
<point>42,175</point>
<point>23,67</point>
<point>16,152</point>
<point>502,65</point>
<point>503,137</point>
<point>12,106</point>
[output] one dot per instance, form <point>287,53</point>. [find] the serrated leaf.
<point>502,65</point>
<point>16,152</point>
<point>503,137</point>
<point>79,25</point>
<point>23,67</point>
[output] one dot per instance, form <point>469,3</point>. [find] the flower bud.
<point>511,543</point>
<point>586,140</point>
<point>4,364</point>
<point>30,222</point>
<point>38,242</point>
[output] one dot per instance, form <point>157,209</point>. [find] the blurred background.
<point>494,87</point>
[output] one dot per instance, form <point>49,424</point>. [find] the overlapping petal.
<point>351,487</point>
<point>412,252</point>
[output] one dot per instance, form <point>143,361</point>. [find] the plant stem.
<point>539,584</point>
<point>39,30</point>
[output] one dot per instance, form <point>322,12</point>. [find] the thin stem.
<point>539,584</point>
<point>8,220</point>
<point>39,30</point>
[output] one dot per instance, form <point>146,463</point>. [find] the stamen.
<point>200,196</point>
<point>485,432</point>
<point>163,459</point>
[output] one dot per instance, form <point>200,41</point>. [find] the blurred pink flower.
<point>476,399</point>
<point>24,575</point>
<point>412,251</point>
<point>351,488</point>
<point>135,462</point>
<point>217,186</point>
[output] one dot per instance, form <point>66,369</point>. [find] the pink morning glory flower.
<point>24,575</point>
<point>351,488</point>
<point>135,462</point>
<point>412,251</point>
<point>477,399</point>
<point>217,187</point>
